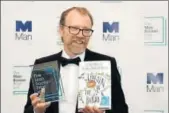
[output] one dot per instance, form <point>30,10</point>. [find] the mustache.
<point>77,39</point>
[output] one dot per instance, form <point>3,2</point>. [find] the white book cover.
<point>94,84</point>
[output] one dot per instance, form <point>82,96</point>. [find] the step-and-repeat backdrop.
<point>135,33</point>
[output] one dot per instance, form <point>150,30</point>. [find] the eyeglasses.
<point>74,30</point>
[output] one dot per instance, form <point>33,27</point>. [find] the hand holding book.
<point>94,84</point>
<point>47,76</point>
<point>88,109</point>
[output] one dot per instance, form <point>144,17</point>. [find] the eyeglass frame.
<point>78,30</point>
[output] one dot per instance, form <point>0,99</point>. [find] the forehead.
<point>75,18</point>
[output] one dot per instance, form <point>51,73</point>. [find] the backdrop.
<point>135,33</point>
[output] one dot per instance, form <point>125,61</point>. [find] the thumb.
<point>42,95</point>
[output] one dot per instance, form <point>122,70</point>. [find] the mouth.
<point>80,41</point>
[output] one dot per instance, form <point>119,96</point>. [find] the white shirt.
<point>69,74</point>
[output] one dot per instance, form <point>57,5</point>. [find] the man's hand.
<point>39,103</point>
<point>88,109</point>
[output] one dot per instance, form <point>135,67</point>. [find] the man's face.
<point>75,43</point>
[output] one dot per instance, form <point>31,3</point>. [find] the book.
<point>94,84</point>
<point>46,76</point>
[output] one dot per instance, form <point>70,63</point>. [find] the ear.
<point>60,30</point>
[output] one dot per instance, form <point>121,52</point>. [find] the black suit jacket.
<point>118,100</point>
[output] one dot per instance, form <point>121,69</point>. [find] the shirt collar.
<point>82,55</point>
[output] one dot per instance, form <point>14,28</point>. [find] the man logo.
<point>155,82</point>
<point>107,27</point>
<point>152,78</point>
<point>110,31</point>
<point>27,26</point>
<point>23,30</point>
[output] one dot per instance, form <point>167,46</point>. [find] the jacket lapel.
<point>88,57</point>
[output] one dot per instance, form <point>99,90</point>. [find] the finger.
<point>33,96</point>
<point>40,106</point>
<point>35,101</point>
<point>80,110</point>
<point>88,109</point>
<point>85,111</point>
<point>97,110</point>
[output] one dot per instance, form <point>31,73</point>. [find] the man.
<point>75,30</point>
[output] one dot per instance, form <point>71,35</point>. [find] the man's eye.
<point>87,30</point>
<point>74,28</point>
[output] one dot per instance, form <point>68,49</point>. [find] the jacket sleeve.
<point>118,99</point>
<point>28,107</point>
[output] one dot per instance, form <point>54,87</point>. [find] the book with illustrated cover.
<point>94,84</point>
<point>46,76</point>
